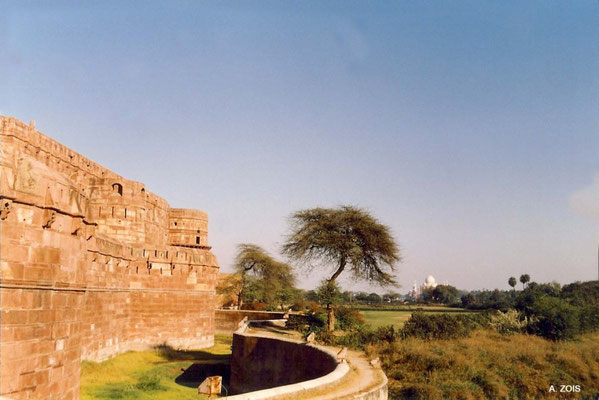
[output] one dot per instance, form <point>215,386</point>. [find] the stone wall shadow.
<point>193,376</point>
<point>172,354</point>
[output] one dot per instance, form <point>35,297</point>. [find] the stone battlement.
<point>92,265</point>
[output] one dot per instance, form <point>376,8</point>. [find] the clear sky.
<point>471,128</point>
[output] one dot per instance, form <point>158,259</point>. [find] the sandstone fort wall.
<point>92,265</point>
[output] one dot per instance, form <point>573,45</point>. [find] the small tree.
<point>445,294</point>
<point>512,282</point>
<point>346,237</point>
<point>329,294</point>
<point>261,277</point>
<point>524,279</point>
<point>231,287</point>
<point>374,298</point>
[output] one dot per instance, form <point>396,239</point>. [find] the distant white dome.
<point>430,280</point>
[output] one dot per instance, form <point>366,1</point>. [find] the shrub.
<point>313,307</point>
<point>256,306</point>
<point>554,318</point>
<point>508,323</point>
<point>325,337</point>
<point>589,318</point>
<point>298,305</point>
<point>348,318</point>
<point>387,334</point>
<point>357,338</point>
<point>439,326</point>
<point>581,293</point>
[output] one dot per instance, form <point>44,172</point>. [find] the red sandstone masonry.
<point>92,265</point>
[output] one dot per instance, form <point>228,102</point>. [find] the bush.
<point>554,318</point>
<point>357,338</point>
<point>255,306</point>
<point>348,318</point>
<point>508,323</point>
<point>313,307</point>
<point>325,337</point>
<point>387,334</point>
<point>298,305</point>
<point>443,326</point>
<point>581,293</point>
<point>589,318</point>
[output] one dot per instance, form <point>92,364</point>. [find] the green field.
<point>162,374</point>
<point>376,319</point>
<point>398,316</point>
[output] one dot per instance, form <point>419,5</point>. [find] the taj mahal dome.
<point>429,283</point>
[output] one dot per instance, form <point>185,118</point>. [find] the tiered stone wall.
<point>91,266</point>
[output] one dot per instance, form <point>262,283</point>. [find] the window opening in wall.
<point>197,240</point>
<point>155,253</point>
<point>125,213</point>
<point>175,223</point>
<point>113,211</point>
<point>117,188</point>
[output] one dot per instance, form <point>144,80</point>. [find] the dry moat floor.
<point>160,374</point>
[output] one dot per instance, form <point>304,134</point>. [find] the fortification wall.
<point>87,269</point>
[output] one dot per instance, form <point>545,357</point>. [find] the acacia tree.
<point>343,238</point>
<point>260,274</point>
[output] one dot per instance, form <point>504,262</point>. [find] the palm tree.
<point>345,237</point>
<point>524,279</point>
<point>512,282</point>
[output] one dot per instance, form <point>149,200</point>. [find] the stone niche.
<point>92,265</point>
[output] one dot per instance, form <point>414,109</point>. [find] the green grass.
<point>411,308</point>
<point>157,374</point>
<point>378,318</point>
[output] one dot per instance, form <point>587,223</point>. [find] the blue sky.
<point>471,128</point>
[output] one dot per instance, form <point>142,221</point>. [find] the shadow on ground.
<point>196,373</point>
<point>171,354</point>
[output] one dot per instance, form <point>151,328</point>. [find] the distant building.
<point>416,292</point>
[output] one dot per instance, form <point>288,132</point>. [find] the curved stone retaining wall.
<point>227,321</point>
<point>269,367</point>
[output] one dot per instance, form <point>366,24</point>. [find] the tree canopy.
<point>262,278</point>
<point>345,237</point>
<point>340,238</point>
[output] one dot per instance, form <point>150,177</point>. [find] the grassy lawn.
<point>376,319</point>
<point>162,374</point>
<point>384,317</point>
<point>424,308</point>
